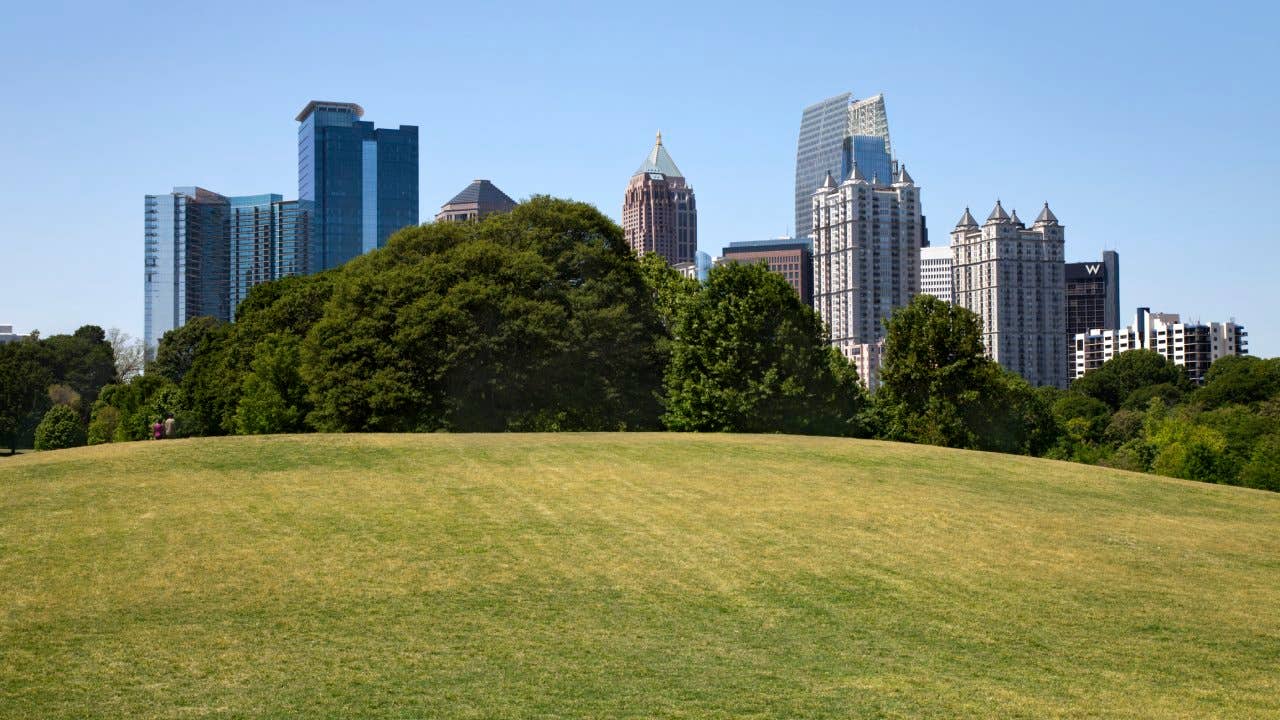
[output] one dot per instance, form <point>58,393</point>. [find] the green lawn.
<point>639,576</point>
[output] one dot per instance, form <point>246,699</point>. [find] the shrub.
<point>102,428</point>
<point>59,429</point>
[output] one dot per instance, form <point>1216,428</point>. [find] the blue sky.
<point>1149,127</point>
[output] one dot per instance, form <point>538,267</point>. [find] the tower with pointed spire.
<point>659,210</point>
<point>1012,277</point>
<point>867,234</point>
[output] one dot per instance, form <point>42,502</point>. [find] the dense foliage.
<point>36,373</point>
<point>543,319</point>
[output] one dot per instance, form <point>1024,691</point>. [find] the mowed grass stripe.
<point>625,575</point>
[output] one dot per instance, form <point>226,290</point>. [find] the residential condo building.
<point>186,269</point>
<point>789,257</point>
<point>358,183</point>
<point>834,135</point>
<point>935,272</point>
<point>1013,277</point>
<point>659,211</point>
<point>866,260</point>
<point>267,240</point>
<point>1194,346</point>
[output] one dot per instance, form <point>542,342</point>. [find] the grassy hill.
<point>503,576</point>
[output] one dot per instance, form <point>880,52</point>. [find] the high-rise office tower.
<point>935,272</point>
<point>866,259</point>
<point>185,260</point>
<point>267,238</point>
<point>659,211</point>
<point>1093,294</point>
<point>1013,278</point>
<point>834,135</point>
<point>476,200</point>
<point>790,258</point>
<point>358,183</point>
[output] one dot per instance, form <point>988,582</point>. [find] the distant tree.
<point>935,379</point>
<point>23,382</point>
<point>60,428</point>
<point>1017,418</point>
<point>129,353</point>
<point>179,347</point>
<point>672,291</point>
<point>1170,393</point>
<point>64,395</point>
<point>1239,379</point>
<point>83,361</point>
<point>749,356</point>
<point>272,397</point>
<point>1127,372</point>
<point>1186,450</point>
<point>1263,469</point>
<point>103,424</point>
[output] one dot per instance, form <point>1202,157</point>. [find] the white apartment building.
<point>935,272</point>
<point>1194,346</point>
<point>866,261</point>
<point>1014,279</point>
<point>7,334</point>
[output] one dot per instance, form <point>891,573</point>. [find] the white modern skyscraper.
<point>826,146</point>
<point>935,272</point>
<point>866,260</point>
<point>1013,278</point>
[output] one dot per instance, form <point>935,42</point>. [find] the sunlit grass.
<point>690,576</point>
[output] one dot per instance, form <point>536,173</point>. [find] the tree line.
<point>542,319</point>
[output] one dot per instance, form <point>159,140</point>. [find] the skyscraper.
<point>1093,294</point>
<point>267,238</point>
<point>659,211</point>
<point>185,260</point>
<point>866,253</point>
<point>834,135</point>
<point>1013,278</point>
<point>358,183</point>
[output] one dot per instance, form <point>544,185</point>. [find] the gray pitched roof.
<point>997,213</point>
<point>1013,218</point>
<point>829,183</point>
<point>903,177</point>
<point>966,220</point>
<point>856,174</point>
<point>659,161</point>
<point>1046,216</point>
<point>482,192</point>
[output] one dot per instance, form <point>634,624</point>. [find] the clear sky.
<point>1149,127</point>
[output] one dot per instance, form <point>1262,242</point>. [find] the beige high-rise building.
<point>866,260</point>
<point>659,212</point>
<point>1013,278</point>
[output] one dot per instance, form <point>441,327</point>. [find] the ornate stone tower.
<point>659,212</point>
<point>1012,278</point>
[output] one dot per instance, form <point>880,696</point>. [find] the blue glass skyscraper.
<point>357,183</point>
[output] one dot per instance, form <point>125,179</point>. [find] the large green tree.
<point>535,319</point>
<point>1126,373</point>
<point>933,374</point>
<point>749,356</point>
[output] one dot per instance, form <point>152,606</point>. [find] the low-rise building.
<point>935,272</point>
<point>476,200</point>
<point>7,335</point>
<point>1194,346</point>
<point>789,257</point>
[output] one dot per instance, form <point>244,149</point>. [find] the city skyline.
<point>1111,166</point>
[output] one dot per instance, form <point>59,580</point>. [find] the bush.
<point>1263,469</point>
<point>102,428</point>
<point>59,429</point>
